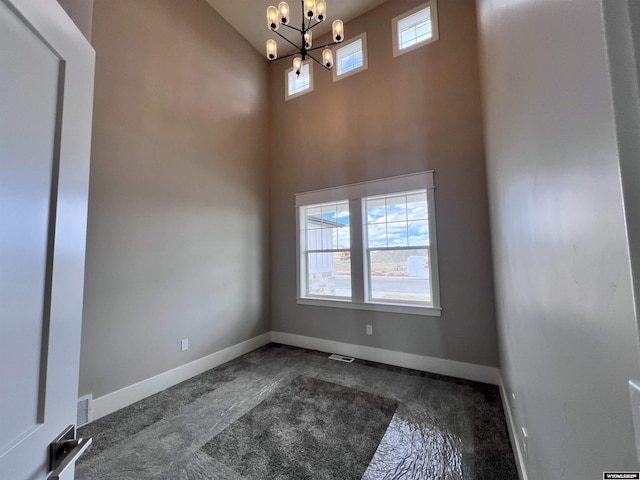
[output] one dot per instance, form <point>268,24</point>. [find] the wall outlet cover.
<point>369,329</point>
<point>184,345</point>
<point>634,391</point>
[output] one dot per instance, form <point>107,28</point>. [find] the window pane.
<point>423,31</point>
<point>397,208</point>
<point>357,61</point>
<point>415,28</point>
<point>327,226</point>
<point>417,206</point>
<point>376,210</point>
<point>377,235</point>
<point>407,37</point>
<point>418,233</point>
<point>397,234</point>
<point>299,83</point>
<point>313,216</point>
<point>400,276</point>
<point>349,57</point>
<point>342,218</point>
<point>329,274</point>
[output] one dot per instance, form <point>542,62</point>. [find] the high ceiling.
<point>249,17</point>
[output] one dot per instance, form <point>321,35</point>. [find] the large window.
<point>415,28</point>
<point>370,246</point>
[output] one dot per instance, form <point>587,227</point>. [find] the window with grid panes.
<point>415,28</point>
<point>370,246</point>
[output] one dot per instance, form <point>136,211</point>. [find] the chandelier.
<point>314,13</point>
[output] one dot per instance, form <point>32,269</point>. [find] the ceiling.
<point>249,17</point>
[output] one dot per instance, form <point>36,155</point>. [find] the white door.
<point>46,97</point>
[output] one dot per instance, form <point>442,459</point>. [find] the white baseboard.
<point>126,396</point>
<point>468,371</point>
<point>513,433</point>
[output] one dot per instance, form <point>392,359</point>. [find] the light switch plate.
<point>184,345</point>
<point>634,390</point>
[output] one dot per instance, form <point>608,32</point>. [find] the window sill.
<point>374,307</point>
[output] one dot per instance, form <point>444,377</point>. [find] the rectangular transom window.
<point>296,85</point>
<point>370,246</point>
<point>415,28</point>
<point>351,58</point>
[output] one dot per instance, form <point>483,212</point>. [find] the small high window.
<point>351,58</point>
<point>296,85</point>
<point>415,28</point>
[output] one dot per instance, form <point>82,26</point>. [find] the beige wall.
<point>568,330</point>
<point>416,112</point>
<point>178,210</point>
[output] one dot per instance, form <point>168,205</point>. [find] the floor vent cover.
<point>85,410</point>
<point>341,358</point>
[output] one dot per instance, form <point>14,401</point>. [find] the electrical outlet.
<point>525,444</point>
<point>369,329</point>
<point>184,345</point>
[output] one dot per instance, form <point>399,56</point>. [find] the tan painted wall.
<point>567,325</point>
<point>417,112</point>
<point>177,235</point>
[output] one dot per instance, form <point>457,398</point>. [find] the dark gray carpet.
<point>442,429</point>
<point>308,429</point>
<point>112,429</point>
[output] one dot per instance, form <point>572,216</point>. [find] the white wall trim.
<point>468,371</point>
<point>513,433</point>
<point>126,396</point>
<point>480,373</point>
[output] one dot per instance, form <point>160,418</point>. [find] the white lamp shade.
<point>321,10</point>
<point>272,18</point>
<point>310,8</point>
<point>283,8</point>
<point>297,64</point>
<point>272,49</point>
<point>327,57</point>
<point>308,39</point>
<point>338,31</point>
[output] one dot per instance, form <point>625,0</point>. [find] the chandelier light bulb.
<point>338,31</point>
<point>321,10</point>
<point>272,18</point>
<point>272,49</point>
<point>310,8</point>
<point>297,64</point>
<point>327,57</point>
<point>283,8</point>
<point>313,12</point>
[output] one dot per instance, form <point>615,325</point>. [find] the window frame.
<point>287,97</point>
<point>435,36</point>
<point>305,251</point>
<point>365,57</point>
<point>359,249</point>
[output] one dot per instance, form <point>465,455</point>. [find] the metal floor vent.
<point>85,410</point>
<point>341,358</point>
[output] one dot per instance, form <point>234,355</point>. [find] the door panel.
<point>46,95</point>
<point>30,87</point>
